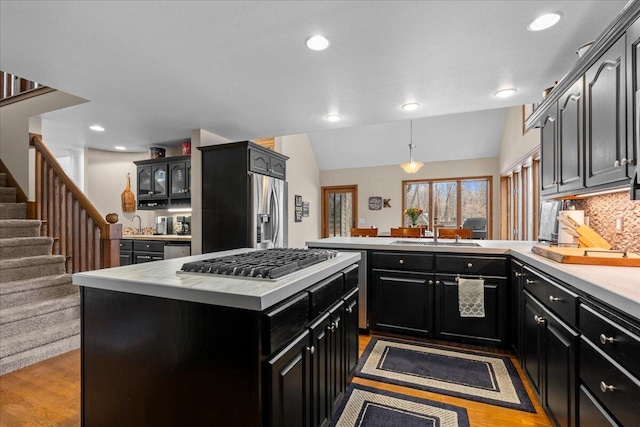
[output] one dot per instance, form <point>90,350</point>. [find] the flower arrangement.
<point>413,214</point>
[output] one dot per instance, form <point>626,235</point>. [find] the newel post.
<point>110,245</point>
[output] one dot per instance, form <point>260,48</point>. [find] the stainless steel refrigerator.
<point>268,212</point>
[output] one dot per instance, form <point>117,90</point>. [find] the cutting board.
<point>593,257</point>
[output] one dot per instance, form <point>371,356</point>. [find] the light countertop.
<point>616,286</point>
<point>159,237</point>
<point>160,279</point>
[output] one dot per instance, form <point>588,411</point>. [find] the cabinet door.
<point>290,386</point>
<point>606,137</point>
<point>320,364</point>
<point>159,180</point>
<point>570,150</point>
<point>145,189</point>
<point>548,140</point>
<point>633,97</point>
<point>278,168</point>
<point>126,258</point>
<point>259,162</point>
<point>532,342</point>
<point>517,315</point>
<point>351,334</point>
<point>178,179</point>
<point>402,302</point>
<point>188,169</point>
<point>336,372</point>
<point>449,324</point>
<point>559,395</point>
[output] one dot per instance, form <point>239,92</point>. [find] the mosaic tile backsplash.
<point>602,212</point>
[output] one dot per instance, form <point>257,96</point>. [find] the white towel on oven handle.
<point>471,297</point>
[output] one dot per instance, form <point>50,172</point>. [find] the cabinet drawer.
<point>402,261</point>
<point>325,294</point>
<point>464,264</point>
<point>598,370</point>
<point>350,278</point>
<point>148,246</point>
<point>618,343</point>
<point>557,298</point>
<point>126,245</point>
<point>282,323</point>
<point>592,414</point>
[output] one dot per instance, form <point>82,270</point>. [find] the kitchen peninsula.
<point>167,348</point>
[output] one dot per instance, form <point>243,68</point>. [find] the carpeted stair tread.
<point>31,284</point>
<point>19,247</point>
<point>3,179</point>
<point>29,357</point>
<point>39,337</point>
<point>10,228</point>
<point>14,314</point>
<point>7,195</point>
<point>31,267</point>
<point>13,210</point>
<point>42,288</point>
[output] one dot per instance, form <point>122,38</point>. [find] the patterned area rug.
<point>369,407</point>
<point>460,373</point>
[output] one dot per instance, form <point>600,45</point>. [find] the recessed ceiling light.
<point>317,42</point>
<point>545,21</point>
<point>120,148</point>
<point>411,106</point>
<point>97,128</point>
<point>505,93</point>
<point>334,117</point>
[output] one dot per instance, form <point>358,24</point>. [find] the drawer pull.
<point>148,246</point>
<point>605,339</point>
<point>553,299</point>
<point>430,282</point>
<point>529,281</point>
<point>469,265</point>
<point>518,274</point>
<point>311,349</point>
<point>437,282</point>
<point>605,388</point>
<point>349,310</point>
<point>539,319</point>
<point>401,261</point>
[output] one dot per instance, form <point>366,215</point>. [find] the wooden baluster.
<point>56,216</point>
<point>69,240</point>
<point>89,242</point>
<point>83,240</point>
<point>62,213</point>
<point>76,236</point>
<point>39,186</point>
<point>96,249</point>
<point>45,187</point>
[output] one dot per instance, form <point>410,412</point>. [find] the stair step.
<point>29,317</point>
<point>10,228</point>
<point>25,291</point>
<point>3,179</point>
<point>7,195</point>
<point>13,210</point>
<point>20,247</point>
<point>28,268</point>
<point>23,342</point>
<point>29,357</point>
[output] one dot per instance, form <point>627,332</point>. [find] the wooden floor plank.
<point>48,394</point>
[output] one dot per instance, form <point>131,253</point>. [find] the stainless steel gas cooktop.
<point>268,264</point>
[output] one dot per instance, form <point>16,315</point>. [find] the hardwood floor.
<point>48,394</point>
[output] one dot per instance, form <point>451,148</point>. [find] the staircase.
<point>39,307</point>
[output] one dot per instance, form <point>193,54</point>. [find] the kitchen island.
<point>166,348</point>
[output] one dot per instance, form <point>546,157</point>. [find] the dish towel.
<point>471,297</point>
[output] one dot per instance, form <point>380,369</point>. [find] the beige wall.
<point>515,145</point>
<point>386,182</point>
<point>303,178</point>
<point>14,130</point>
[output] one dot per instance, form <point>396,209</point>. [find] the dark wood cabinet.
<point>179,179</point>
<point>145,186</point>
<point>164,182</point>
<point>548,142</point>
<point>605,115</point>
<point>633,96</point>
<point>516,307</point>
<point>351,333</point>
<point>570,143</point>
<point>126,252</point>
<point>267,162</point>
<point>320,356</point>
<point>337,368</point>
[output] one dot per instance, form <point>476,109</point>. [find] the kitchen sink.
<point>432,243</point>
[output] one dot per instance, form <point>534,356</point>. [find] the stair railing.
<point>15,88</point>
<point>80,233</point>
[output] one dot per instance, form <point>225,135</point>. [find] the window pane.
<point>340,214</point>
<point>445,203</point>
<point>474,204</point>
<point>417,196</point>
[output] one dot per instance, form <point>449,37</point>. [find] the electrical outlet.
<point>619,224</point>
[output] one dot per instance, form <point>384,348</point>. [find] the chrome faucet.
<point>435,231</point>
<point>139,223</point>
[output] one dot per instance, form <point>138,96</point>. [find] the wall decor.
<point>298,200</point>
<point>298,208</point>
<point>375,203</point>
<point>298,215</point>
<point>386,203</point>
<point>305,208</point>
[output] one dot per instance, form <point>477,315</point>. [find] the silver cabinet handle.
<point>349,310</point>
<point>539,319</point>
<point>626,162</point>
<point>401,261</point>
<point>469,265</point>
<point>337,323</point>
<point>605,388</point>
<point>430,282</point>
<point>148,246</point>
<point>616,164</point>
<point>530,282</point>
<point>311,349</point>
<point>553,299</point>
<point>437,282</point>
<point>605,339</point>
<point>518,274</point>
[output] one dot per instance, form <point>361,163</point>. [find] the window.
<point>451,203</point>
<point>519,200</point>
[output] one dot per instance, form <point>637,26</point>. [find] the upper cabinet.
<point>164,182</point>
<point>267,162</point>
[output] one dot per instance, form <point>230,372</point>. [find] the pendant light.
<point>411,166</point>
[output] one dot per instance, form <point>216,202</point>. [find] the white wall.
<point>303,178</point>
<point>514,145</point>
<point>386,182</point>
<point>14,130</point>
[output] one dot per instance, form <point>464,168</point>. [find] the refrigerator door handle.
<point>275,215</point>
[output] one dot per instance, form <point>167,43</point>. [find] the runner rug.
<point>369,407</point>
<point>460,373</point>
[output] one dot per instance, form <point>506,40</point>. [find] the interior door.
<point>339,210</point>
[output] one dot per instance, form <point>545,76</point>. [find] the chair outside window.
<point>364,232</point>
<point>451,233</point>
<point>406,232</point>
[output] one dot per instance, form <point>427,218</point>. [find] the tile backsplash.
<point>602,212</point>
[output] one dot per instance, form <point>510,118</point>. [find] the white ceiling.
<point>154,71</point>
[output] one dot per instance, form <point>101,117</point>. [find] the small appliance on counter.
<point>182,225</point>
<point>163,225</point>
